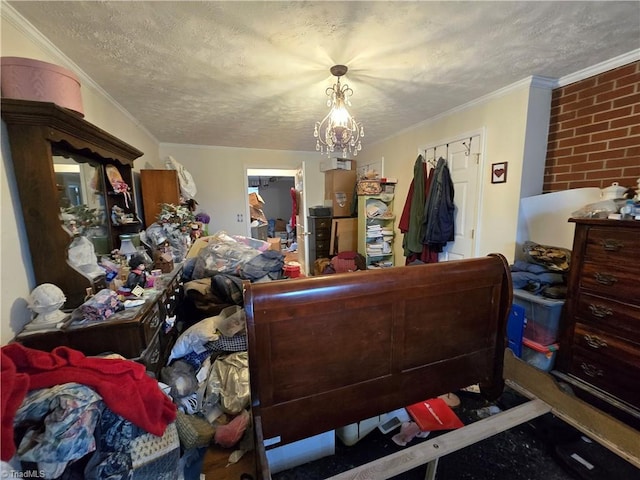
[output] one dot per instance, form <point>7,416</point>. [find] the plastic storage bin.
<point>354,432</point>
<point>540,356</point>
<point>542,316</point>
<point>303,451</point>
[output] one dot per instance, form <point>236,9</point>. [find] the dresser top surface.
<point>605,222</point>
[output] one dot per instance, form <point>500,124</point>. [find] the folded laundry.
<point>533,277</point>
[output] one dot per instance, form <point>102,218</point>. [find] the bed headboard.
<point>331,350</point>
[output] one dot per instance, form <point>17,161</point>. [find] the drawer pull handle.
<point>594,341</point>
<point>600,311</point>
<point>155,356</point>
<point>605,279</point>
<point>611,245</point>
<point>591,370</point>
<point>155,322</point>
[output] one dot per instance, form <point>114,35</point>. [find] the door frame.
<point>481,132</point>
<point>272,171</point>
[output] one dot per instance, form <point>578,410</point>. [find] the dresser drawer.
<point>152,356</point>
<point>323,223</point>
<point>610,346</point>
<point>612,245</point>
<point>615,376</point>
<point>323,235</point>
<point>170,298</point>
<point>613,317</point>
<point>151,323</point>
<point>611,280</point>
<point>323,246</point>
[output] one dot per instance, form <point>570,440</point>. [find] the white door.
<point>463,160</point>
<point>302,234</point>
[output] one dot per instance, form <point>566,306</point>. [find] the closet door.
<point>463,160</point>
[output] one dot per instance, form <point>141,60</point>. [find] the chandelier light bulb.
<point>338,130</point>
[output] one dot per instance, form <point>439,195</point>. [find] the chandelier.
<point>338,131</point>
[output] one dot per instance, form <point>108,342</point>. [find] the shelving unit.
<point>376,229</point>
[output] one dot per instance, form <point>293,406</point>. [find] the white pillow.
<point>194,338</point>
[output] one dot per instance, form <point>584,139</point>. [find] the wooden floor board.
<point>216,464</point>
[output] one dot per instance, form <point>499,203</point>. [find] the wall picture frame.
<point>499,172</point>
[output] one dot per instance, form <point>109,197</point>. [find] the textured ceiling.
<point>253,74</point>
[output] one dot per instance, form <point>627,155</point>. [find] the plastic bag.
<point>556,259</point>
<point>156,235</point>
<point>600,209</point>
<point>232,372</point>
<point>223,254</point>
<point>82,256</point>
<point>187,183</point>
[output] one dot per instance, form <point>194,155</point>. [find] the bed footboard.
<point>331,350</point>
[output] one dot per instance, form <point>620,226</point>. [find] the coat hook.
<point>467,147</point>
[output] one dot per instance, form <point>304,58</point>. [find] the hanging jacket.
<point>439,219</point>
<point>413,213</point>
<point>411,220</point>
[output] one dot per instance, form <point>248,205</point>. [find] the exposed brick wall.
<point>594,132</point>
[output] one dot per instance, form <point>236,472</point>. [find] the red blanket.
<point>124,386</point>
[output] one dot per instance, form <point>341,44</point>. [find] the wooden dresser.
<point>143,333</point>
<point>319,238</point>
<point>599,353</point>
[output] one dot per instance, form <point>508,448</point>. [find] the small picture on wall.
<point>499,172</point>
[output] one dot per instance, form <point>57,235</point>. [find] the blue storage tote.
<point>540,356</point>
<point>542,316</point>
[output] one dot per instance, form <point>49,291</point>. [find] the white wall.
<point>220,175</point>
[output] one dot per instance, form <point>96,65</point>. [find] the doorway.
<point>274,186</point>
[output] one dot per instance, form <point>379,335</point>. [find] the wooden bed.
<point>329,351</point>
<point>332,350</point>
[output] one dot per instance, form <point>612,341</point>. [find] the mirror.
<point>81,199</point>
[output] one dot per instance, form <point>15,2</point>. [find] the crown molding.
<point>615,62</point>
<point>534,81</point>
<point>25,27</point>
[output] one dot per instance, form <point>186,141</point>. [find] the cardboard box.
<point>339,188</point>
<point>256,205</point>
<point>280,225</point>
<point>344,235</point>
<point>198,245</point>
<point>337,164</point>
<point>274,244</point>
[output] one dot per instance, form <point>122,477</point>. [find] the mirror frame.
<point>34,128</point>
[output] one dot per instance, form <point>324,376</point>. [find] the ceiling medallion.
<point>338,131</point>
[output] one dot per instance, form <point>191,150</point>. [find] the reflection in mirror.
<point>82,210</point>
